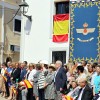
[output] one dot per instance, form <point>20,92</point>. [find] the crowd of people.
<point>41,81</point>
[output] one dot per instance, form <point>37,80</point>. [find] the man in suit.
<point>22,77</point>
<point>60,79</point>
<point>16,73</point>
<point>23,72</point>
<point>85,93</point>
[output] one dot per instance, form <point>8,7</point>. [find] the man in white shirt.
<point>85,92</point>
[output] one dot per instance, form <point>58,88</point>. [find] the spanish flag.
<point>68,98</point>
<point>61,28</point>
<point>14,90</point>
<point>5,79</point>
<point>27,84</point>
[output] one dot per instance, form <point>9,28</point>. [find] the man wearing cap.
<point>60,80</point>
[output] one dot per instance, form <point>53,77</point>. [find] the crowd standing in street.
<point>56,81</point>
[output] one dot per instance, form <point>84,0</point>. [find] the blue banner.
<point>85,31</point>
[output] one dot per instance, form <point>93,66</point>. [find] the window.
<point>59,55</point>
<point>62,7</point>
<point>12,47</point>
<point>17,27</point>
<point>8,59</point>
<point>15,48</point>
<point>17,24</point>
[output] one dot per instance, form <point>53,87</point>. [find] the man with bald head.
<point>60,79</point>
<point>85,93</point>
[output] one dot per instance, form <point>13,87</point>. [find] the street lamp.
<point>24,6</point>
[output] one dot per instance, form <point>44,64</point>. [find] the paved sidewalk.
<point>1,98</point>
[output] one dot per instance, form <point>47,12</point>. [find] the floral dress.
<point>50,89</point>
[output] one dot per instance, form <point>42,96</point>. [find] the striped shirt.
<point>41,80</point>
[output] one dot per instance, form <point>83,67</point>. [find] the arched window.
<point>8,59</point>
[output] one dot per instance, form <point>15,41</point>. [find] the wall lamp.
<point>23,7</point>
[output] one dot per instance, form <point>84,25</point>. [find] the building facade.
<point>37,44</point>
<point>10,30</point>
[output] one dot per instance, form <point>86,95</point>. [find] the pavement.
<point>1,98</point>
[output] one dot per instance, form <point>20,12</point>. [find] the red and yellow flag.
<point>68,98</point>
<point>5,79</point>
<point>61,28</point>
<point>14,90</point>
<point>27,84</point>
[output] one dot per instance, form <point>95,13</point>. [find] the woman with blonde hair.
<point>27,92</point>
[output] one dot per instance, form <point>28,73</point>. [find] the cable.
<point>14,16</point>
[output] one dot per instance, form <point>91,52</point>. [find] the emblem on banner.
<point>85,30</point>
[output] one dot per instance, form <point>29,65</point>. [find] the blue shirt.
<point>97,84</point>
<point>93,76</point>
<point>23,73</point>
<point>10,70</point>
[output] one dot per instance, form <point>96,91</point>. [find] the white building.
<point>37,44</point>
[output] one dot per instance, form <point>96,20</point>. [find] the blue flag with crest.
<point>85,31</point>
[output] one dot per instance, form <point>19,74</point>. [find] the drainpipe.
<point>22,37</point>
<point>2,33</point>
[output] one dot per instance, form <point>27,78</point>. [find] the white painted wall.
<point>38,44</point>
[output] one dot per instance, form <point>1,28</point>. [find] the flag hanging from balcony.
<point>61,27</point>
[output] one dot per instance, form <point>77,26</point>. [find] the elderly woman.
<point>49,83</point>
